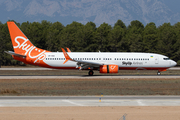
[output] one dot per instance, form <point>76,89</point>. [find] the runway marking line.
<point>76,104</point>
<point>140,103</point>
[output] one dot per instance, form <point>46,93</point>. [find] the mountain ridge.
<point>83,11</point>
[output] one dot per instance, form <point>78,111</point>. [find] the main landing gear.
<point>91,73</point>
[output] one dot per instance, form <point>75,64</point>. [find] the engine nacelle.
<point>109,69</point>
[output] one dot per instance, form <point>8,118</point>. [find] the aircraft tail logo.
<point>22,45</point>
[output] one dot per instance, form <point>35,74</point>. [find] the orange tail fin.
<point>21,43</point>
<point>23,47</point>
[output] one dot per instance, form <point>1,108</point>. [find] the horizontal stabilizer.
<point>15,54</point>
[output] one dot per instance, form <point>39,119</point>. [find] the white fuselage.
<point>122,59</point>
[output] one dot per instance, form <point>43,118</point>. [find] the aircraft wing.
<point>86,64</point>
<point>15,54</point>
<point>81,64</point>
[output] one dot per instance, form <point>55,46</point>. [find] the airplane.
<point>104,62</point>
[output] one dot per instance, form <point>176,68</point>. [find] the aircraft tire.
<point>91,73</point>
<point>158,73</point>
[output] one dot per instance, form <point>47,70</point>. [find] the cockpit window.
<point>166,58</point>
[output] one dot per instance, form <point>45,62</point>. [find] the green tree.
<point>150,38</point>
<point>37,33</point>
<point>101,37</point>
<point>69,36</point>
<point>134,36</point>
<point>116,42</point>
<point>24,27</point>
<point>89,37</point>
<point>53,33</point>
<point>6,45</point>
<point>176,54</point>
<point>166,40</point>
<point>120,24</point>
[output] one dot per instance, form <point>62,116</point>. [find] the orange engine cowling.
<point>109,69</point>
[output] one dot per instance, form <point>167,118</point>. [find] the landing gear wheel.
<point>91,73</point>
<point>158,73</point>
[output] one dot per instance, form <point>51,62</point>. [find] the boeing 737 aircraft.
<point>104,62</point>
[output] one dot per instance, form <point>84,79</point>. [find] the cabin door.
<point>156,60</point>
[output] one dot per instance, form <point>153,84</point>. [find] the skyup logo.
<point>28,49</point>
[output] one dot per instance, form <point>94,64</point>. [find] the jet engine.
<point>109,69</point>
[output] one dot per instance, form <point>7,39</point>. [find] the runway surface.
<point>103,76</point>
<point>40,68</point>
<point>26,68</point>
<point>91,77</point>
<point>49,101</point>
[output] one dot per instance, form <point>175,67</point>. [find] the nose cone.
<point>173,63</point>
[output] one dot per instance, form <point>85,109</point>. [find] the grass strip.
<point>59,87</point>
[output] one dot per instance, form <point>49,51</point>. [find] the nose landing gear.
<point>161,70</point>
<point>158,73</point>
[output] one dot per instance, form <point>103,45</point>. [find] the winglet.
<point>66,56</point>
<point>68,49</point>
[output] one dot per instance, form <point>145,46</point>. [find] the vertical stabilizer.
<point>21,43</point>
<point>23,47</point>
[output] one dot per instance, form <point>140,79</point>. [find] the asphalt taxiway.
<point>50,101</point>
